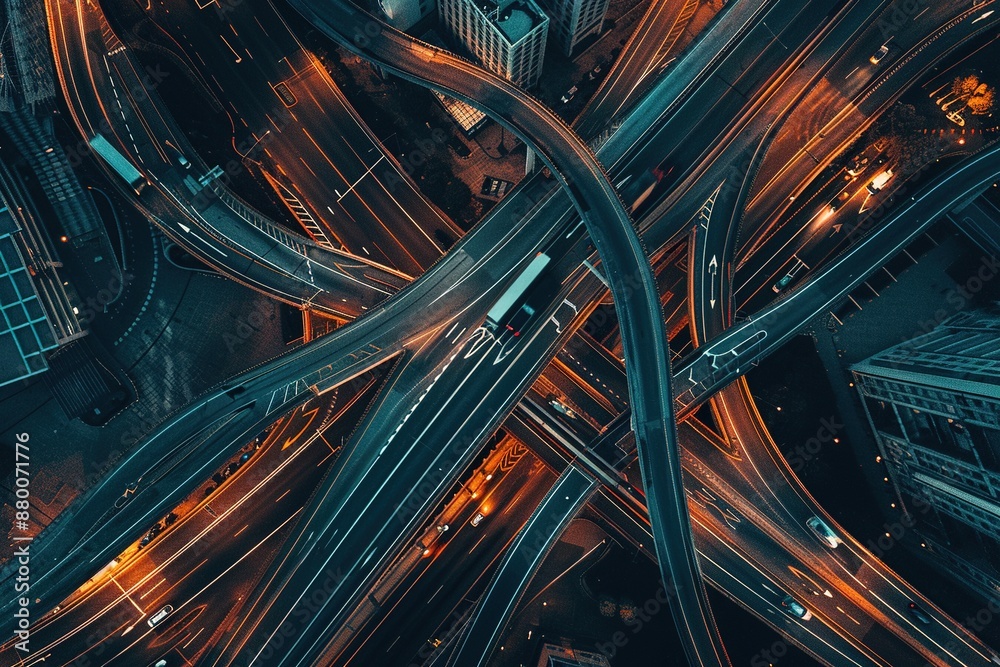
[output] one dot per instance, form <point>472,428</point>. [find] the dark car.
<point>127,495</point>
<point>823,532</point>
<point>783,282</point>
<point>787,279</point>
<point>918,613</point>
<point>793,607</point>
<point>838,201</point>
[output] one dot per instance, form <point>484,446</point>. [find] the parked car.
<point>569,95</point>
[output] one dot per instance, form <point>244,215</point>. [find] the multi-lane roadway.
<point>975,175</point>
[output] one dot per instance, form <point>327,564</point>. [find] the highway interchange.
<point>427,422</point>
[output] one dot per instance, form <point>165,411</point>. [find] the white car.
<point>878,55</point>
<point>158,617</point>
<point>823,532</point>
<point>478,519</point>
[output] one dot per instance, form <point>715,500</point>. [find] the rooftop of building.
<point>515,20</point>
<point>25,333</point>
<point>962,354</point>
<point>554,655</point>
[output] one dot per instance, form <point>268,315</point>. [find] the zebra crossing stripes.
<point>304,217</point>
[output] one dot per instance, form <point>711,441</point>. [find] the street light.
<point>249,150</point>
<point>758,398</point>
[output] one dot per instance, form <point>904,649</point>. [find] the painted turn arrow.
<point>713,268</point>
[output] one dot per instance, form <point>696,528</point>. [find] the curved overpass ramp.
<point>631,280</point>
<point>191,206</point>
<point>724,358</point>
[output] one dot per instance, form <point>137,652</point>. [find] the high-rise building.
<point>468,118</point>
<point>934,406</point>
<point>573,20</point>
<point>404,14</point>
<point>555,655</point>
<point>979,220</point>
<point>37,315</point>
<point>508,38</point>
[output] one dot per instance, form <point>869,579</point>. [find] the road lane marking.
<point>152,589</point>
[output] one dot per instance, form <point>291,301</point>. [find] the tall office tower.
<point>507,38</point>
<point>934,406</point>
<point>573,20</point>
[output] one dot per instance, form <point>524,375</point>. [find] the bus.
<point>511,312</point>
<point>119,163</point>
